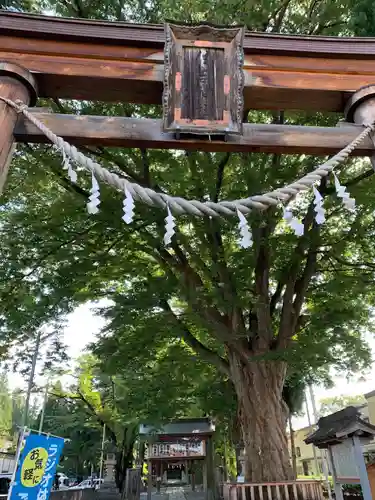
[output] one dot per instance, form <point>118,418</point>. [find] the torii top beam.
<point>109,61</point>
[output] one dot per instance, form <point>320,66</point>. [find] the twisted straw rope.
<point>194,207</point>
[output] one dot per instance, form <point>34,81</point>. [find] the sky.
<point>83,326</point>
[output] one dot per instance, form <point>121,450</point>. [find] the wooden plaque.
<point>204,80</point>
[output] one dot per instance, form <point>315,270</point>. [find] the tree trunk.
<point>124,460</point>
<point>292,446</point>
<point>262,418</point>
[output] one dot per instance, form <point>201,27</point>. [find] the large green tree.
<point>97,400</point>
<point>288,304</point>
<point>5,408</point>
<point>71,418</point>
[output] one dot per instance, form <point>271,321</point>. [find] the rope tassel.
<point>72,174</point>
<point>169,227</point>
<point>295,224</point>
<point>94,201</point>
<point>342,193</point>
<point>319,210</point>
<point>128,207</point>
<point>246,240</point>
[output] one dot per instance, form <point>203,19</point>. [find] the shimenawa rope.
<point>194,207</point>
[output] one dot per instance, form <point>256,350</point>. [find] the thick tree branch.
<point>146,167</point>
<point>264,334</point>
<point>276,296</point>
<point>296,285</point>
<point>319,28</point>
<point>349,264</point>
<point>192,280</point>
<point>121,164</point>
<point>206,353</point>
<point>359,178</point>
<point>277,17</point>
<point>303,282</point>
<point>220,177</point>
<point>193,283</point>
<point>218,274</point>
<point>210,317</point>
<point>119,10</point>
<point>292,272</point>
<point>91,409</point>
<point>79,8</point>
<point>194,286</point>
<point>215,245</point>
<point>100,419</point>
<point>68,184</point>
<point>211,273</point>
<point>59,106</point>
<point>234,322</point>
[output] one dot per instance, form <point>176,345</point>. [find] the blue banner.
<point>36,467</point>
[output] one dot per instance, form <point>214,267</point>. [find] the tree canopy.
<point>71,418</point>
<point>244,320</point>
<point>5,408</point>
<point>337,403</point>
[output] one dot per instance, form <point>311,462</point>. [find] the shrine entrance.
<point>180,452</point>
<point>175,471</point>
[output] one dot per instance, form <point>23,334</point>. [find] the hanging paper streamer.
<point>342,193</point>
<point>128,206</point>
<point>94,201</point>
<point>246,240</point>
<point>318,207</point>
<point>67,166</point>
<point>169,227</point>
<point>294,223</point>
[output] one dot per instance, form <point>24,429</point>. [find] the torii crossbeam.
<point>119,62</point>
<point>111,61</point>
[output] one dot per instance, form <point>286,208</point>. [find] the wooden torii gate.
<point>46,57</point>
<point>51,57</point>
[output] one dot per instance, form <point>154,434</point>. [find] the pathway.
<point>175,492</point>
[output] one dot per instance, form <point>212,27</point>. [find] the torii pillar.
<point>16,83</point>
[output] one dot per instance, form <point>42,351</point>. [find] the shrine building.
<point>178,450</point>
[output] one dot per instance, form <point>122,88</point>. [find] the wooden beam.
<point>147,133</point>
<point>141,35</point>
<point>15,83</point>
<point>118,62</point>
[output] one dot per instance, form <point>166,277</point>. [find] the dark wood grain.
<point>147,133</point>
<point>203,84</point>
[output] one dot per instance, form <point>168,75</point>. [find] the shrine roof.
<point>338,426</point>
<point>369,394</point>
<point>181,427</point>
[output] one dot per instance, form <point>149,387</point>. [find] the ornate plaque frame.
<point>210,58</point>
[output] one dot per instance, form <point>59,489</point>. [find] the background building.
<point>307,465</point>
<point>7,462</point>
